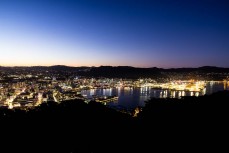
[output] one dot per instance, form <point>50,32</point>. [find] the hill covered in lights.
<point>204,73</point>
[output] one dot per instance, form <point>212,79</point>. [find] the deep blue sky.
<point>163,33</point>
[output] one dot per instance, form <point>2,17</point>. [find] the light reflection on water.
<point>133,97</point>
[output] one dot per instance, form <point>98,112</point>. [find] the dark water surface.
<point>132,97</point>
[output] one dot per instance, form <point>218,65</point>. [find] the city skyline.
<point>165,34</point>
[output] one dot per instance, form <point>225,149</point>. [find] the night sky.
<point>140,33</point>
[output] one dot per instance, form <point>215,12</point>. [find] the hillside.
<point>74,126</point>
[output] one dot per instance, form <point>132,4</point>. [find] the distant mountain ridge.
<point>121,71</point>
<point>64,67</point>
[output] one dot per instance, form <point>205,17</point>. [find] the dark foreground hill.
<point>187,124</point>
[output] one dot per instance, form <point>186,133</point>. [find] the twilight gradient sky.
<point>142,33</point>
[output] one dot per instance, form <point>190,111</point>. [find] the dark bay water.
<point>132,97</point>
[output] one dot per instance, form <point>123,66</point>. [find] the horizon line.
<point>112,66</point>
